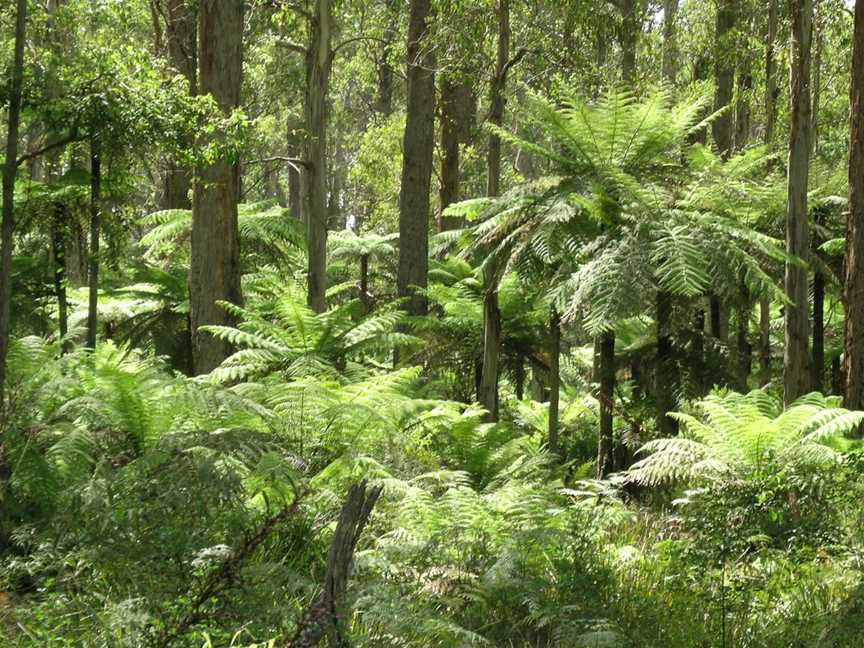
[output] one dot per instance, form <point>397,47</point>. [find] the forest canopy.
<point>432,323</point>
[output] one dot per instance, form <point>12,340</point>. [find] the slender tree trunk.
<point>771,90</point>
<point>497,100</point>
<point>764,340</point>
<point>554,380</point>
<point>719,318</point>
<point>418,146</point>
<point>818,361</point>
<point>384,100</point>
<point>214,274</point>
<point>95,232</point>
<point>670,41</point>
<point>491,347</point>
<point>10,167</point>
<point>319,58</point>
<point>724,73</point>
<point>817,93</point>
<point>58,249</point>
<point>745,350</point>
<point>742,106</point>
<point>664,388</point>
<point>606,442</point>
<point>364,283</point>
<point>698,352</point>
<point>295,182</point>
<point>519,381</point>
<point>854,274</point>
<point>450,163</point>
<point>182,33</point>
<point>796,375</point>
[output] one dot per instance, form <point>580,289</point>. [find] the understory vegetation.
<point>432,324</point>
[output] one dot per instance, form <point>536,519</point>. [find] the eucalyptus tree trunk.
<point>629,38</point>
<point>854,273</point>
<point>606,396</point>
<point>295,182</point>
<point>724,73</point>
<point>384,99</point>
<point>670,41</point>
<point>554,380</point>
<point>796,373</point>
<point>665,375</point>
<point>491,313</point>
<point>95,232</point>
<point>181,37</point>
<point>214,274</point>
<point>771,93</point>
<point>455,105</point>
<point>418,146</point>
<point>319,60</point>
<point>10,168</point>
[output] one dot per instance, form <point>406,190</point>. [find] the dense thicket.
<point>432,323</point>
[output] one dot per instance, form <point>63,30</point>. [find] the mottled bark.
<point>418,145</point>
<point>95,232</point>
<point>319,59</point>
<point>854,274</point>
<point>606,441</point>
<point>214,274</point>
<point>10,168</point>
<point>796,374</point>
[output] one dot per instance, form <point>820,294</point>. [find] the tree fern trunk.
<point>605,445</point>
<point>796,375</point>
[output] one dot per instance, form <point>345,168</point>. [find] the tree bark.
<point>58,251</point>
<point>95,232</point>
<point>697,351</point>
<point>498,100</point>
<point>319,59</point>
<point>854,274</point>
<point>182,32</point>
<point>419,142</point>
<point>214,274</point>
<point>488,393</point>
<point>10,168</point>
<point>451,126</point>
<point>384,100</point>
<point>670,41</point>
<point>554,380</point>
<point>664,388</point>
<point>745,351</point>
<point>764,340</point>
<point>724,72</point>
<point>796,374</point>
<point>606,441</point>
<point>364,283</point>
<point>771,90</point>
<point>630,28</point>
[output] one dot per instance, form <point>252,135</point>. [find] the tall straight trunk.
<point>670,41</point>
<point>384,99</point>
<point>488,393</point>
<point>181,36</point>
<point>664,387</point>
<point>418,146</point>
<point>95,232</point>
<point>742,107</point>
<point>817,381</point>
<point>295,182</point>
<point>214,273</point>
<point>796,374</point>
<point>817,93</point>
<point>519,378</point>
<point>450,162</point>
<point>319,59</point>
<point>764,340</point>
<point>771,90</point>
<point>365,298</point>
<point>630,28</point>
<point>724,73</point>
<point>606,441</point>
<point>10,167</point>
<point>697,351</point>
<point>745,350</point>
<point>58,251</point>
<point>554,379</point>
<point>854,274</point>
<point>719,313</point>
<point>497,100</point>
<point>771,93</point>
<point>491,314</point>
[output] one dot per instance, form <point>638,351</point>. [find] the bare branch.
<point>73,136</point>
